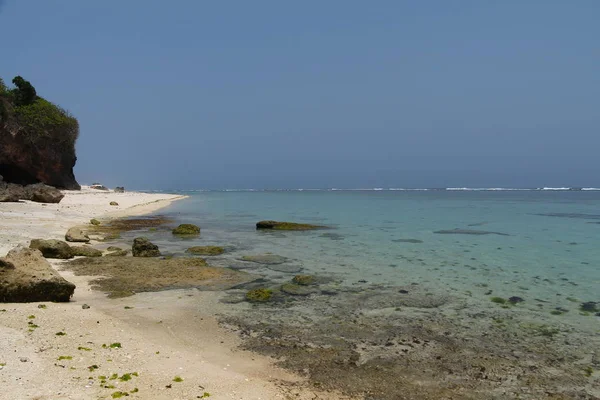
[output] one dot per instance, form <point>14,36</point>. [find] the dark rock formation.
<point>52,248</point>
<point>26,277</point>
<point>37,139</point>
<point>114,203</point>
<point>286,226</point>
<point>119,189</point>
<point>98,186</point>
<point>142,247</point>
<point>38,192</point>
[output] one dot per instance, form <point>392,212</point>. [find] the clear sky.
<point>239,94</point>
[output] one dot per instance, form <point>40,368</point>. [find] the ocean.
<point>512,268</point>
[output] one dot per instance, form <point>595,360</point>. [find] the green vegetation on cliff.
<point>34,116</point>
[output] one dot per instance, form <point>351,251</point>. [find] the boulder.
<point>187,229</point>
<point>94,221</point>
<point>206,250</point>
<point>85,251</point>
<point>260,295</point>
<point>117,253</point>
<point>7,196</point>
<point>119,189</point>
<point>304,280</point>
<point>114,203</point>
<point>142,247</point>
<point>27,277</point>
<point>52,248</point>
<point>296,290</point>
<point>98,186</point>
<point>286,226</point>
<point>41,193</point>
<point>76,235</point>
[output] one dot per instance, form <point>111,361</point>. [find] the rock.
<point>114,203</point>
<point>94,221</point>
<point>10,193</point>
<point>41,193</point>
<point>285,268</point>
<point>186,229</point>
<point>296,290</point>
<point>75,234</point>
<point>113,248</point>
<point>98,186</point>
<point>85,307</point>
<point>304,280</point>
<point>458,231</point>
<point>515,300</point>
<point>118,253</point>
<point>52,248</point>
<point>85,251</point>
<point>119,189</point>
<point>32,279</point>
<point>414,241</point>
<point>206,250</point>
<point>286,226</point>
<point>259,295</point>
<point>268,259</point>
<point>142,247</point>
<point>589,306</point>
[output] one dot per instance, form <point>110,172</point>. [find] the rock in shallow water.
<point>31,278</point>
<point>187,229</point>
<point>268,259</point>
<point>142,247</point>
<point>206,250</point>
<point>286,226</point>
<point>459,231</point>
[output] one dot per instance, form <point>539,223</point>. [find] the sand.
<point>63,350</point>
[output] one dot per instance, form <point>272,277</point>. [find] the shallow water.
<point>461,247</point>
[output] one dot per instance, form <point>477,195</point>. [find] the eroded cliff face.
<point>37,142</point>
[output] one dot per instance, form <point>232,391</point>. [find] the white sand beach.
<point>137,346</point>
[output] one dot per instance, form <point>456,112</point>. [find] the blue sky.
<point>232,94</point>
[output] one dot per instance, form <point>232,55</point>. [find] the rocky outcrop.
<point>142,247</point>
<point>52,248</point>
<point>75,234</point>
<point>25,276</point>
<point>286,226</point>
<point>119,189</point>
<point>37,139</point>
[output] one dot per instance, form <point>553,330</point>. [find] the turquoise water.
<point>548,260</point>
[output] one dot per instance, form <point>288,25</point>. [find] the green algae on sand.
<point>206,250</point>
<point>125,276</point>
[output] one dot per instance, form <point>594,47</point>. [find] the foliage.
<point>24,92</point>
<point>39,122</point>
<point>44,119</point>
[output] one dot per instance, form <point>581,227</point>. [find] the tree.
<point>24,92</point>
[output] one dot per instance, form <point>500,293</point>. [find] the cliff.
<point>37,138</point>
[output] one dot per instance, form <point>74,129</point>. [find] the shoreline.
<point>160,335</point>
